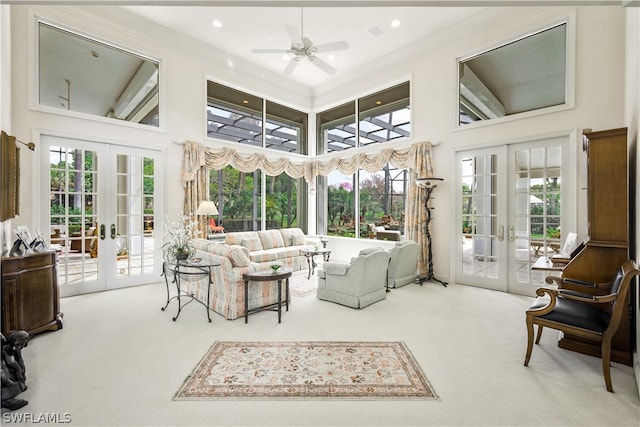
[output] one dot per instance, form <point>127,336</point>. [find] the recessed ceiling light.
<point>395,23</point>
<point>216,23</point>
<point>331,57</point>
<point>378,102</point>
<point>245,101</point>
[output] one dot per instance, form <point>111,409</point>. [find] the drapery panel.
<point>198,159</point>
<point>415,212</point>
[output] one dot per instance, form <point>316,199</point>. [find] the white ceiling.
<point>246,28</point>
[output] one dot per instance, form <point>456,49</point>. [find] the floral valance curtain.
<point>197,156</point>
<point>198,159</point>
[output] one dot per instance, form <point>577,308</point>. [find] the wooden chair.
<point>594,317</point>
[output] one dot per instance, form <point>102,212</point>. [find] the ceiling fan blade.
<point>322,65</point>
<point>291,66</point>
<point>329,47</point>
<point>306,42</point>
<point>294,35</point>
<point>270,50</point>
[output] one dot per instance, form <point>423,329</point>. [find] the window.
<point>236,116</point>
<point>286,129</point>
<point>382,117</point>
<point>340,205</point>
<point>238,196</point>
<point>380,198</point>
<point>337,128</point>
<point>281,204</point>
<point>385,116</point>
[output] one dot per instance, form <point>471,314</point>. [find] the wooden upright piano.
<point>608,227</point>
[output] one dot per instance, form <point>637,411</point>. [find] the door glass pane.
<point>537,210</point>
<point>134,215</point>
<point>479,216</point>
<point>73,207</point>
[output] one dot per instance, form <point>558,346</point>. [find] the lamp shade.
<point>207,207</point>
<point>428,182</point>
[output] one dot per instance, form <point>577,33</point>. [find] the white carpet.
<point>300,286</point>
<point>119,358</point>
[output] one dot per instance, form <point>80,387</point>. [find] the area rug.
<point>307,370</point>
<point>300,286</point>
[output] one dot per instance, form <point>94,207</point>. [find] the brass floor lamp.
<point>429,184</point>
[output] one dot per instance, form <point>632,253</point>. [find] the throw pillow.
<point>271,239</point>
<point>252,243</point>
<point>238,257</point>
<point>297,240</point>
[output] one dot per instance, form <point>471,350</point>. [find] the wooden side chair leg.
<point>539,334</point>
<point>606,362</point>
<point>529,340</point>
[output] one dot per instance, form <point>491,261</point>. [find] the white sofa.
<point>247,252</point>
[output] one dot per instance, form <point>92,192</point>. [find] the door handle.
<point>102,232</point>
<point>113,231</point>
<point>512,233</point>
<point>501,233</point>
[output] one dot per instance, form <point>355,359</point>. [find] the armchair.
<point>593,317</point>
<point>357,284</point>
<point>403,265</point>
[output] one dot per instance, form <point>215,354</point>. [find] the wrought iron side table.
<point>189,270</point>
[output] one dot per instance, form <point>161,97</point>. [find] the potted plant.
<point>179,234</point>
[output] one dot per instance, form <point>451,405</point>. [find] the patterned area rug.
<point>300,286</point>
<point>307,370</point>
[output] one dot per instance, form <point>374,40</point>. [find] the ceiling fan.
<point>302,47</point>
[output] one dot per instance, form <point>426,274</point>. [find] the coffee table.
<point>267,276</point>
<point>310,253</point>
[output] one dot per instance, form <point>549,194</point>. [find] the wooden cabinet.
<point>608,221</point>
<point>30,299</point>
<point>608,190</point>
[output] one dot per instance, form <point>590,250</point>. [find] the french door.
<point>510,212</point>
<point>102,213</point>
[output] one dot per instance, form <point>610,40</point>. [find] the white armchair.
<point>403,266</point>
<point>358,284</point>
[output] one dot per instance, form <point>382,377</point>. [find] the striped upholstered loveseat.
<point>245,252</point>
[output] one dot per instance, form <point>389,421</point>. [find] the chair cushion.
<point>574,313</point>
